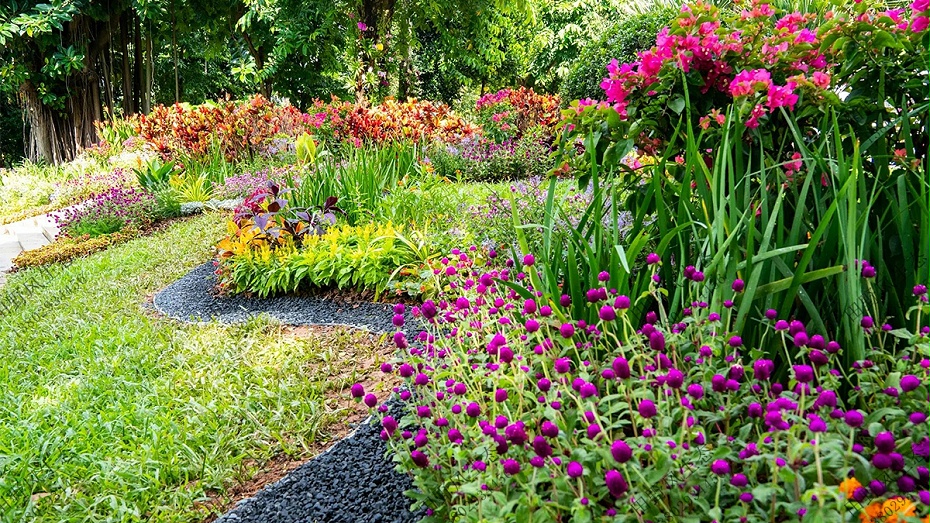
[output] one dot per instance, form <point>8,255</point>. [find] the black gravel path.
<point>192,299</point>
<point>353,482</point>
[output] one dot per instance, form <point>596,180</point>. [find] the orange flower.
<point>872,513</point>
<point>848,486</point>
<point>898,506</point>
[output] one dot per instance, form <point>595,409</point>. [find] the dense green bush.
<point>622,41</point>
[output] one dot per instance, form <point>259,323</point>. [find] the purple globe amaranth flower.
<point>428,309</point>
<point>419,459</point>
<point>370,400</point>
<point>882,461</point>
<point>473,410</point>
<point>511,466</point>
<point>833,347</point>
<point>588,389</point>
<point>720,467</point>
<point>607,313</point>
<point>907,484</point>
<point>854,418</point>
<point>516,434</point>
<point>867,322</point>
<point>567,330</point>
<point>593,430</point>
<point>818,358</point>
<point>501,421</point>
<point>884,442</point>
<point>817,424</point>
<point>657,341</point>
<point>542,447</point>
<point>739,480</point>
<point>803,373</point>
<point>746,497</point>
<point>735,341</point>
<point>424,411</point>
<point>549,429</point>
<point>455,436</point>
<point>562,365</point>
<point>917,418</point>
<point>762,369</point>
<point>860,494</point>
<point>537,461</point>
<point>621,367</point>
<point>738,285</point>
<point>781,325</point>
<point>543,384</point>
<point>529,260</point>
<point>616,484</point>
<point>909,382</point>
<point>826,398</point>
<point>398,319</point>
<point>622,302</point>
<point>718,383</point>
<point>574,469</point>
<point>459,388</point>
<point>696,391</point>
<point>647,408</point>
<point>674,379</point>
<point>389,424</point>
<point>358,390</point>
<point>620,451</point>
<point>652,258</point>
<point>924,497</point>
<point>500,395</point>
<point>877,487</point>
<point>800,339</point>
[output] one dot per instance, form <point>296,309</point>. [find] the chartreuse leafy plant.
<point>518,411</point>
<point>112,414</point>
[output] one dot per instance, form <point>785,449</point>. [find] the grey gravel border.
<point>351,482</point>
<point>191,299</point>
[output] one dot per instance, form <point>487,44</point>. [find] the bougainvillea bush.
<point>518,412</point>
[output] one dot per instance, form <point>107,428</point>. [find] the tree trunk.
<point>50,135</point>
<point>137,62</point>
<point>128,107</point>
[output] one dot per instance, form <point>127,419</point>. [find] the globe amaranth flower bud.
<point>909,382</point>
<point>720,467</point>
<point>803,373</point>
<point>549,429</point>
<point>358,390</point>
<point>620,451</point>
<point>884,442</point>
<point>647,408</point>
<point>419,459</point>
<point>574,469</point>
<point>616,484</point>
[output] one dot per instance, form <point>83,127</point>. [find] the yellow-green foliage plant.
<point>345,256</point>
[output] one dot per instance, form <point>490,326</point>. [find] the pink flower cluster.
<point>723,56</point>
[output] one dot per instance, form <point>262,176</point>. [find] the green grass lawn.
<point>110,413</point>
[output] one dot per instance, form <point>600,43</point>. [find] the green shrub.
<point>622,41</point>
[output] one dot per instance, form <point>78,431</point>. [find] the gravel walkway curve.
<point>352,482</point>
<point>191,299</point>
